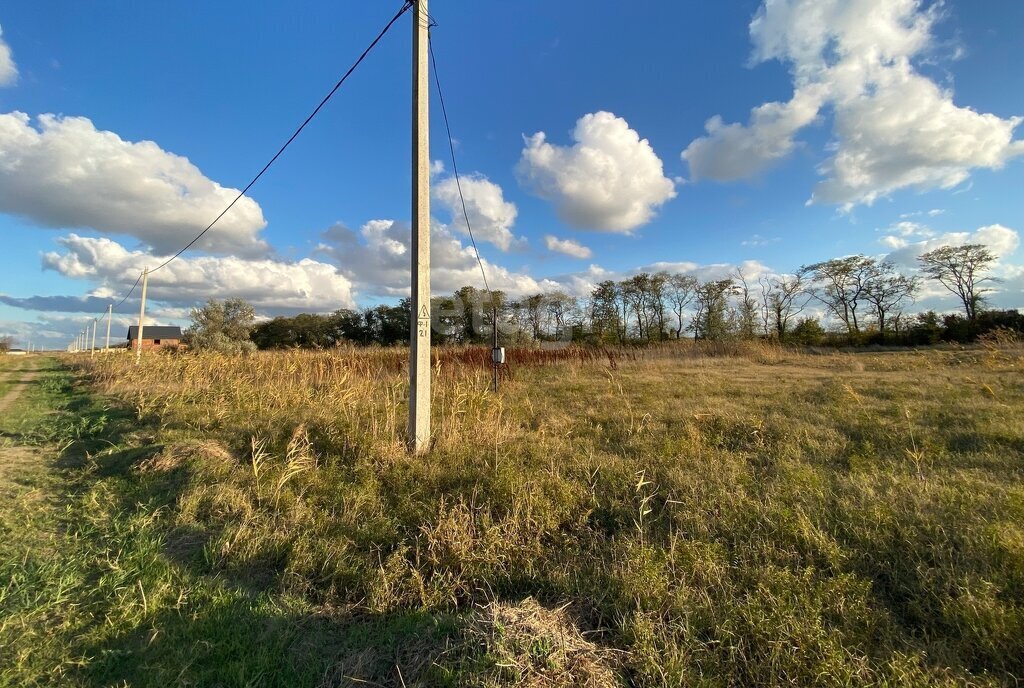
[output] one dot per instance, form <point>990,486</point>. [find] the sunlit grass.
<point>731,515</point>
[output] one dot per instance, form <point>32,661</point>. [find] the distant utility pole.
<point>92,349</point>
<point>419,340</point>
<point>142,315</point>
<point>110,316</point>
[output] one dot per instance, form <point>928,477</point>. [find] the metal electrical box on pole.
<point>419,340</point>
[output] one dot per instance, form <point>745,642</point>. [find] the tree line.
<point>868,298</point>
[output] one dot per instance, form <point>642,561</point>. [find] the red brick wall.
<point>150,344</point>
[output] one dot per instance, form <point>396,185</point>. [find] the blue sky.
<point>895,116</point>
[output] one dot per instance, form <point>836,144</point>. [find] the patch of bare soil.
<point>17,388</point>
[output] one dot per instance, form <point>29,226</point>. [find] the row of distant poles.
<point>419,351</point>
<point>82,341</point>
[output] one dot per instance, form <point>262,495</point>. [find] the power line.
<point>497,354</point>
<point>295,134</point>
<point>302,126</point>
<point>455,166</point>
<point>137,280</point>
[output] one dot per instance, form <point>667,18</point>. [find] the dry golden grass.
<point>732,514</point>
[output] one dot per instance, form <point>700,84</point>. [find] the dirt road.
<point>23,377</point>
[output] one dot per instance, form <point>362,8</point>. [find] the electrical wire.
<point>462,199</point>
<point>455,166</point>
<point>302,126</point>
<point>137,280</point>
<point>295,134</point>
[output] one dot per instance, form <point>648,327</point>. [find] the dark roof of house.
<point>155,332</point>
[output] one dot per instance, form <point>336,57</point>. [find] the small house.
<point>155,337</point>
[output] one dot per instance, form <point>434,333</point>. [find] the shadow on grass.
<point>238,640</point>
<point>228,628</point>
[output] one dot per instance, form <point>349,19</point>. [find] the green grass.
<point>771,519</point>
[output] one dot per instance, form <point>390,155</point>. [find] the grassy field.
<point>735,516</point>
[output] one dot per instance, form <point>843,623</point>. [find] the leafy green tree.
<point>926,329</point>
<point>222,326</point>
<point>605,322</point>
<point>388,325</point>
<point>712,318</point>
<point>808,332</point>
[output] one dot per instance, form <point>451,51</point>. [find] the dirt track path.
<point>27,375</point>
<point>22,471</point>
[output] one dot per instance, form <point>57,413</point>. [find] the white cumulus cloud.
<point>568,247</point>
<point>910,240</point>
<point>376,259</point>
<point>491,216</point>
<point>8,70</point>
<point>893,127</point>
<point>66,173</point>
<point>609,179</point>
<point>270,285</point>
<point>735,151</point>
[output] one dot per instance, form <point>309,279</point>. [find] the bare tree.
<point>559,307</point>
<point>681,290</point>
<point>959,269</point>
<point>636,294</point>
<point>657,296</point>
<point>840,285</point>
<point>765,307</point>
<point>746,309</point>
<point>534,307</point>
<point>886,290</point>
<point>517,315</point>
<point>783,298</point>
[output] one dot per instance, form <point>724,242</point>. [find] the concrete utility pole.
<point>419,340</point>
<point>92,349</point>
<point>110,316</point>
<point>142,315</point>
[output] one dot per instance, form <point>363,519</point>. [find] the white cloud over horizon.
<point>65,173</point>
<point>376,258</point>
<point>893,128</point>
<point>908,240</point>
<point>266,283</point>
<point>8,69</point>
<point>374,261</point>
<point>609,179</point>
